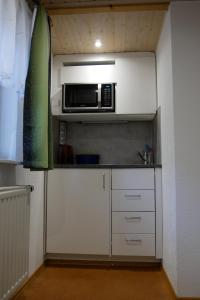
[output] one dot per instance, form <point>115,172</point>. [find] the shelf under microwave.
<point>89,110</point>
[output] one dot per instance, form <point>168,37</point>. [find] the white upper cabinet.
<point>88,74</point>
<point>136,84</point>
<point>133,73</point>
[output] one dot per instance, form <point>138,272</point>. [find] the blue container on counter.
<point>87,159</point>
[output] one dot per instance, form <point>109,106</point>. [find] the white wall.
<point>7,174</point>
<point>185,18</point>
<point>165,100</point>
<point>179,96</point>
<point>36,250</point>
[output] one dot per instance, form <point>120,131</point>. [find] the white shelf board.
<point>9,162</point>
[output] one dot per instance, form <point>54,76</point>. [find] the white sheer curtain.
<point>15,37</point>
<point>8,17</point>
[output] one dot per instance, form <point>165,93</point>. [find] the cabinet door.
<point>78,209</point>
<point>136,84</point>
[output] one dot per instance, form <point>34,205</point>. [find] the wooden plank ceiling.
<point>123,30</point>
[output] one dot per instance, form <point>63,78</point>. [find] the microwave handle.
<point>99,95</point>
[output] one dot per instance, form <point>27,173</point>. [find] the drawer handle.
<point>128,196</point>
<point>104,181</point>
<point>133,218</point>
<point>133,241</point>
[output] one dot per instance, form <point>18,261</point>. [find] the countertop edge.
<point>104,166</point>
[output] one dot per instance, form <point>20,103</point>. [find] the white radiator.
<point>14,238</point>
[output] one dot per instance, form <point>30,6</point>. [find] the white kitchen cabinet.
<point>133,222</point>
<point>79,215</point>
<point>133,244</point>
<point>133,73</point>
<point>136,84</point>
<point>133,200</point>
<point>133,212</point>
<point>78,211</point>
<point>88,74</point>
<point>133,179</point>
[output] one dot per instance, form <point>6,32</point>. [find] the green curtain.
<point>37,135</point>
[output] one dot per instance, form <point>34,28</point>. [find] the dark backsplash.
<point>117,143</point>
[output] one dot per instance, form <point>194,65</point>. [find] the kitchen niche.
<point>116,143</point>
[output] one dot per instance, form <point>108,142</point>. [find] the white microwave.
<point>89,97</point>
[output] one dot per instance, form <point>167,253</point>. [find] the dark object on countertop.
<point>65,154</point>
<point>87,159</point>
<point>141,156</point>
<point>146,157</point>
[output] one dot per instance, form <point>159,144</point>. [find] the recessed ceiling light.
<point>98,43</point>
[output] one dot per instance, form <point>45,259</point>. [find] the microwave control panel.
<point>106,95</point>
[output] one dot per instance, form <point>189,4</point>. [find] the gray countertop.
<point>102,166</point>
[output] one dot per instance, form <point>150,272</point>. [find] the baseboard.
<point>27,282</point>
<point>102,258</point>
<point>173,292</point>
<point>84,263</point>
<point>187,298</point>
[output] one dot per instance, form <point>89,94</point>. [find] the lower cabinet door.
<point>133,244</point>
<point>78,211</point>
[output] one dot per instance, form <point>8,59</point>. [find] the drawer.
<point>133,179</point>
<point>133,244</point>
<point>133,222</point>
<point>133,200</point>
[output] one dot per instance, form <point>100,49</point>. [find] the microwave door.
<point>83,96</point>
<point>88,97</point>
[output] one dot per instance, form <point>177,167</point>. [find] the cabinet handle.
<point>99,95</point>
<point>133,241</point>
<point>132,196</point>
<point>104,181</point>
<point>133,218</point>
